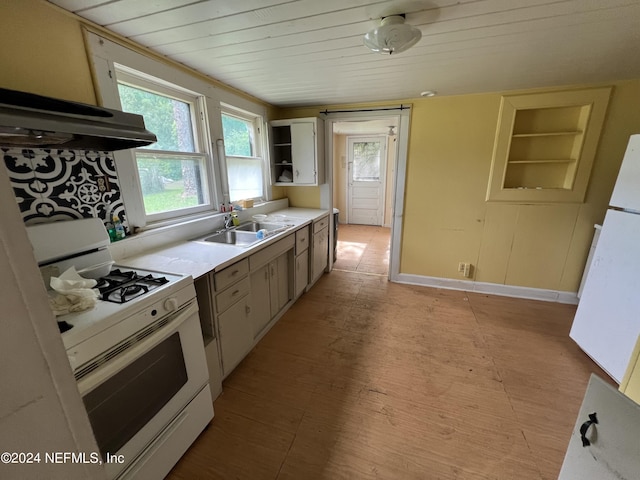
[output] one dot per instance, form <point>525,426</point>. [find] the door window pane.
<point>170,182</point>
<point>168,118</point>
<point>366,161</point>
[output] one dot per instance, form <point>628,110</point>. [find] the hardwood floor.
<point>363,378</point>
<point>362,248</point>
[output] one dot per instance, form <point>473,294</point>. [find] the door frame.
<point>399,177</point>
<point>383,171</point>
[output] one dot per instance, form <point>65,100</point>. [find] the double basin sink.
<point>247,234</point>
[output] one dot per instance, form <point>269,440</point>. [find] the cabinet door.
<point>320,252</point>
<point>611,450</point>
<point>302,272</point>
<point>281,282</point>
<point>303,153</point>
<point>236,335</point>
<point>261,299</point>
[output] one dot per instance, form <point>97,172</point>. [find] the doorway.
<point>392,122</point>
<point>364,189</point>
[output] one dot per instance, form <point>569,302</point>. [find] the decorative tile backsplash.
<point>52,184</point>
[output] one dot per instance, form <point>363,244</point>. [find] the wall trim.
<point>489,288</point>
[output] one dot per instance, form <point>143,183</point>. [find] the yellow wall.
<point>447,219</point>
<point>43,52</point>
<point>303,197</point>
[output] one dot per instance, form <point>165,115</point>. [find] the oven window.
<point>126,402</point>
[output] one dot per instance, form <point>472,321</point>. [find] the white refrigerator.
<point>607,322</point>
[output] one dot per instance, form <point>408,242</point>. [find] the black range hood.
<point>29,120</point>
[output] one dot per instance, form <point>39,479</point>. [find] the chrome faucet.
<point>228,222</point>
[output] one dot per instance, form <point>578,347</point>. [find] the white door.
<point>366,182</point>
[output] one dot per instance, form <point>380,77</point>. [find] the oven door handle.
<point>113,366</point>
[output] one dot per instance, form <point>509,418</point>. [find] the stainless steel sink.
<point>246,235</point>
<point>233,237</point>
<point>255,226</point>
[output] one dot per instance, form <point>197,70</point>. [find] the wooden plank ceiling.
<point>310,52</point>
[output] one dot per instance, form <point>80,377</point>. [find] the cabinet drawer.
<point>231,274</point>
<point>302,240</point>
<point>267,254</point>
<point>232,294</point>
<point>320,224</point>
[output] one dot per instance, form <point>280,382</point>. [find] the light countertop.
<point>197,258</point>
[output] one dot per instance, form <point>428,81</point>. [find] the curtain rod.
<point>381,109</point>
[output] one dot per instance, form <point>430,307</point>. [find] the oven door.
<point>133,396</point>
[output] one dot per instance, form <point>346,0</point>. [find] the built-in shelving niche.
<point>545,145</point>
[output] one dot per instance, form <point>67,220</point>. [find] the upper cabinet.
<point>297,155</point>
<point>545,145</point>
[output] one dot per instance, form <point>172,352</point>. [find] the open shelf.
<point>545,134</point>
<point>557,160</point>
<point>545,145</point>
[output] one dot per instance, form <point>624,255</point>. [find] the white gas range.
<point>137,355</point>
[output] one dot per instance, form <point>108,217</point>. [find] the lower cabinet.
<point>301,270</point>
<point>236,336</point>
<point>271,282</point>
<point>231,290</point>
<point>239,303</point>
<point>301,273</point>
<point>269,292</point>
<point>261,298</point>
<point>320,248</point>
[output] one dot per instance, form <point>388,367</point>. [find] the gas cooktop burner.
<point>123,286</point>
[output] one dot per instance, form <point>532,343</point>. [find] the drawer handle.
<point>235,293</point>
<point>585,427</point>
<point>235,272</point>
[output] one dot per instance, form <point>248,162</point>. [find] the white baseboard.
<point>490,288</point>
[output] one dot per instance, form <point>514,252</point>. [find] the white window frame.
<point>260,145</point>
<point>105,55</point>
<point>143,81</point>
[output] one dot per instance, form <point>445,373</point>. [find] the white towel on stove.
<point>75,293</point>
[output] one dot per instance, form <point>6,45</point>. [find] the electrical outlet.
<point>467,270</point>
<point>103,183</point>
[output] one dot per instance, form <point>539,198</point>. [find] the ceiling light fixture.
<point>392,36</point>
<point>428,93</point>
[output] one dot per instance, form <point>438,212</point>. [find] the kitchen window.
<point>172,174</point>
<point>187,174</point>
<point>243,147</point>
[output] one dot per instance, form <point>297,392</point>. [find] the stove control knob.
<point>171,304</point>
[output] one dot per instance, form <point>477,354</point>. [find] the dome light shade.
<point>392,36</point>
